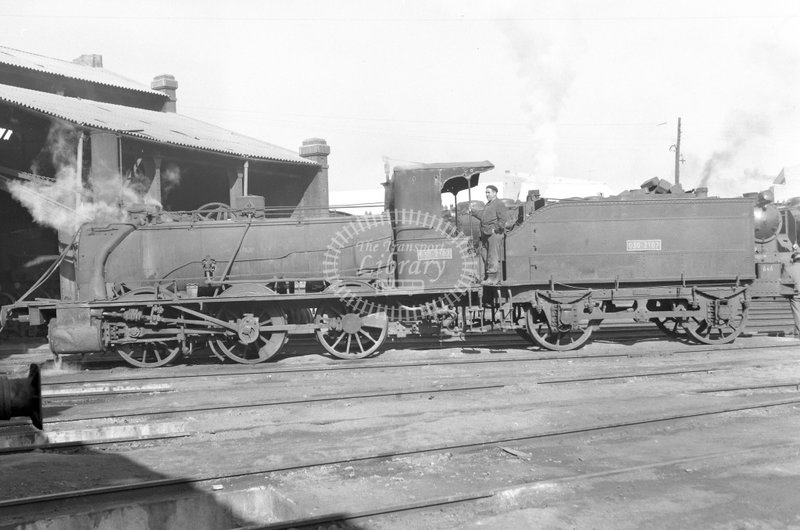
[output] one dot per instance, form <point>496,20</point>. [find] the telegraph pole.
<point>678,155</point>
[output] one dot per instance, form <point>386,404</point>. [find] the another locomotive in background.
<point>242,280</point>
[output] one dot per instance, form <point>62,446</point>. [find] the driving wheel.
<point>147,353</point>
<point>251,342</point>
<point>350,335</point>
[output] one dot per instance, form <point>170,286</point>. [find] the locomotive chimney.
<point>168,85</point>
<point>316,194</point>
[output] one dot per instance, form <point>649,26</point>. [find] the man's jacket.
<point>493,217</point>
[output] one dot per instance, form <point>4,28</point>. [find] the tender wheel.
<point>148,354</point>
<point>522,328</point>
<point>555,338</point>
<point>349,335</point>
<point>523,333</point>
<point>730,321</point>
<point>671,327</point>
<point>253,343</point>
<point>214,211</point>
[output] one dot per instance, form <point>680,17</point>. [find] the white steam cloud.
<point>544,61</point>
<point>66,203</point>
<point>170,177</point>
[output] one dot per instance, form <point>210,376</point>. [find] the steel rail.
<point>351,365</point>
<point>276,403</point>
<point>373,365</point>
<point>630,376</point>
<point>492,492</point>
<point>795,385</point>
<point>158,483</point>
<point>707,369</point>
<point>79,443</point>
<point>77,395</point>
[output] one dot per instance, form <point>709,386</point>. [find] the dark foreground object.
<point>22,397</point>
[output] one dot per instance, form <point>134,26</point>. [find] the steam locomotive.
<point>242,280</point>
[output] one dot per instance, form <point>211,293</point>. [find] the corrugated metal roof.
<point>164,127</point>
<point>49,65</point>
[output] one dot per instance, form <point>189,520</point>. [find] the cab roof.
<point>454,176</point>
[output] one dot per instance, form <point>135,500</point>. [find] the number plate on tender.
<point>640,245</point>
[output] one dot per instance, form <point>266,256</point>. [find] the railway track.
<point>272,403</point>
<point>151,416</point>
<point>40,501</point>
<point>651,373</point>
<point>78,392</point>
<point>56,446</point>
<point>235,371</point>
<point>81,390</point>
<point>452,500</point>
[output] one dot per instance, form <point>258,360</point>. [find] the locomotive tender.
<point>242,280</point>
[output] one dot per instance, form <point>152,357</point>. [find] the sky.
<point>578,90</point>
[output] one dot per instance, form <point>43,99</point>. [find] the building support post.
<point>235,184</point>
<point>153,169</point>
<point>66,271</point>
<point>678,155</point>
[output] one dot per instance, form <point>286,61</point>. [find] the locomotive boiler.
<point>243,280</point>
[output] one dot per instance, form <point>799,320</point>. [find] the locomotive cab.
<point>430,251</point>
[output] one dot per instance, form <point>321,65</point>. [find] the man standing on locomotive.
<point>493,223</point>
<point>794,273</point>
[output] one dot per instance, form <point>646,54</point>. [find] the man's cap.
<point>492,187</point>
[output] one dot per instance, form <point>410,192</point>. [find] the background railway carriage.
<point>243,280</point>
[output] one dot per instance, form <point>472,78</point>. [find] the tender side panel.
<point>650,241</point>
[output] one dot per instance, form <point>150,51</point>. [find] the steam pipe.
<point>235,253</point>
<point>97,264</point>
<point>50,270</point>
<point>246,177</point>
<point>119,153</point>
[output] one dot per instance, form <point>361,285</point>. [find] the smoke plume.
<point>741,129</point>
